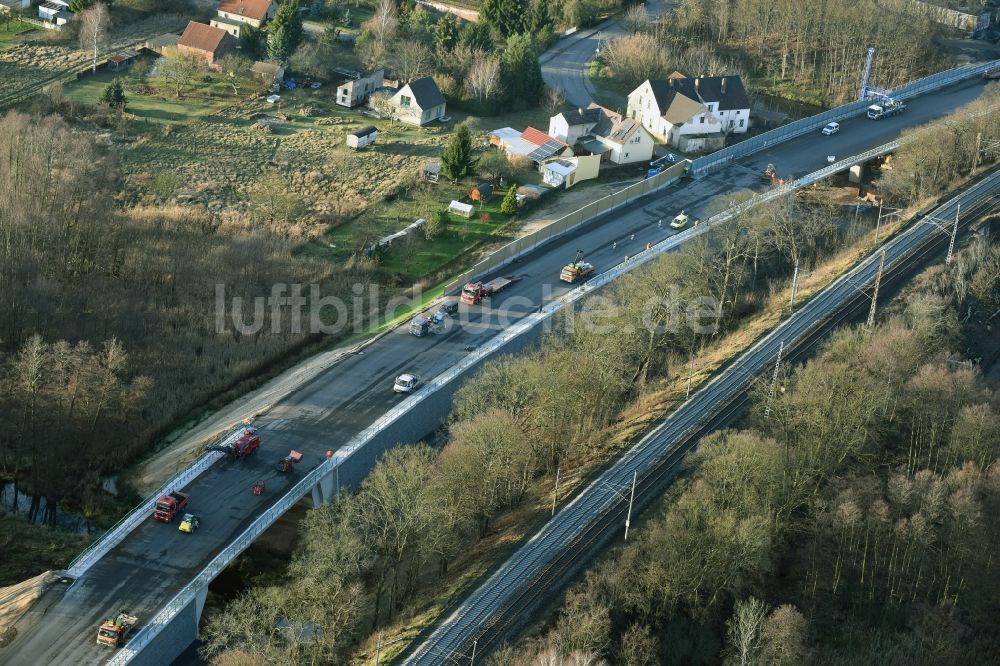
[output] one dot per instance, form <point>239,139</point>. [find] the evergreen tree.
<point>476,36</point>
<point>505,16</point>
<point>457,160</point>
<point>77,6</point>
<point>251,39</point>
<point>538,18</point>
<point>509,204</point>
<point>520,72</point>
<point>114,95</point>
<point>446,33</point>
<point>285,32</point>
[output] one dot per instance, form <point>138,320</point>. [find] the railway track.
<point>506,601</point>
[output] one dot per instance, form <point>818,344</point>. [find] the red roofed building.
<point>205,41</point>
<point>232,15</point>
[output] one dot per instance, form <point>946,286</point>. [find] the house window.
<point>626,154</point>
<point>741,122</point>
<point>404,101</point>
<point>702,119</point>
<point>730,123</point>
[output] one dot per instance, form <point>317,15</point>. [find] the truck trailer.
<point>474,292</point>
<point>886,109</point>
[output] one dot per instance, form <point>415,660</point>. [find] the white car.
<point>679,222</point>
<point>406,383</point>
<point>831,128</point>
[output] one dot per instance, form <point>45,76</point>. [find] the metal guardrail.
<point>187,594</point>
<point>113,536</point>
<point>723,157</point>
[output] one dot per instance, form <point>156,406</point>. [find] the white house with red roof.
<point>232,15</point>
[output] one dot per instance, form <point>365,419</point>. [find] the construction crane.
<point>867,90</point>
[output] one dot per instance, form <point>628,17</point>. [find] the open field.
<point>28,68</point>
<point>150,108</point>
<point>10,32</point>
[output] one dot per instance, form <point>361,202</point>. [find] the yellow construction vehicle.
<point>115,630</point>
<point>576,270</point>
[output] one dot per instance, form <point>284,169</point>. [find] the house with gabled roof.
<point>232,15</point>
<point>692,114</point>
<point>600,131</point>
<point>206,42</point>
<point>419,102</point>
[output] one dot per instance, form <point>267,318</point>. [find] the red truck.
<point>474,292</point>
<point>170,505</point>
<point>247,444</point>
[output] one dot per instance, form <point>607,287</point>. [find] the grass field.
<point>9,32</point>
<point>149,108</point>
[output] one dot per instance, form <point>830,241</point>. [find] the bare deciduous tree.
<point>745,631</point>
<point>94,25</point>
<point>637,19</point>
<point>412,59</point>
<point>483,80</point>
<point>553,101</point>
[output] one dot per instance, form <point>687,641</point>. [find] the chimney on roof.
<point>671,82</point>
<point>697,83</point>
<point>724,85</point>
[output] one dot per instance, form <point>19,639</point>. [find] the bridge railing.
<point>142,512</point>
<point>721,158</point>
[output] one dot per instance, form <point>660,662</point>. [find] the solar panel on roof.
<point>546,150</point>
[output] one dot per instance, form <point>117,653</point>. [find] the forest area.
<point>812,52</point>
<point>374,558</point>
<point>109,336</point>
<point>850,525</point>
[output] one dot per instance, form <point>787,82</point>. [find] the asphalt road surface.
<point>150,566</point>
<point>565,65</point>
<point>539,568</point>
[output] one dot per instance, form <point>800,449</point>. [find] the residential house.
<point>600,131</point>
<point>207,42</point>
<point>571,125</point>
<point>419,102</point>
<point>357,91</point>
<point>692,114</point>
<point>232,15</point>
<point>55,11</point>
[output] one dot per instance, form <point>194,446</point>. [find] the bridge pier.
<point>174,638</point>
<point>328,488</point>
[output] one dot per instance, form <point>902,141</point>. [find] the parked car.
<point>406,383</point>
<point>831,128</point>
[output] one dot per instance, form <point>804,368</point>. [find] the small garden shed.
<point>482,193</point>
<point>362,137</point>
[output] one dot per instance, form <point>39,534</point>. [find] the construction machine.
<point>577,269</point>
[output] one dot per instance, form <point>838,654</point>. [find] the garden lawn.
<point>208,99</point>
<point>10,31</point>
<point>414,256</point>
